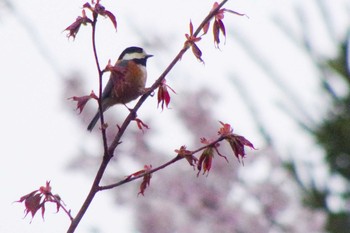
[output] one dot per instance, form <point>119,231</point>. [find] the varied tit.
<point>127,85</point>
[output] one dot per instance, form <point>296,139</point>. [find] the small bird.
<point>127,85</point>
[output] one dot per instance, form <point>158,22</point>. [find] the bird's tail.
<point>93,122</point>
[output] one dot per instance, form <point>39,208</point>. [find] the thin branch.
<point>127,180</point>
<point>172,161</point>
<point>106,158</point>
<point>93,190</point>
<point>100,90</point>
<point>62,206</point>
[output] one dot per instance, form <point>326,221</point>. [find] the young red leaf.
<point>36,200</point>
<point>191,41</point>
<point>222,27</point>
<point>220,14</point>
<point>163,94</point>
<point>218,26</point>
<point>88,6</point>
<point>146,180</point>
<point>111,16</point>
<point>82,100</point>
<point>116,69</point>
<point>140,172</point>
<point>206,27</point>
<point>205,160</point>
<point>187,154</point>
<point>218,23</point>
<point>235,12</point>
<point>216,32</point>
<point>225,130</point>
<point>99,9</point>
<point>191,28</point>
<point>140,124</point>
<point>73,29</point>
<point>135,174</point>
<point>32,204</point>
<point>237,144</point>
<point>45,190</point>
<point>43,210</point>
<point>215,5</point>
<point>197,52</point>
<point>58,201</point>
<point>236,141</point>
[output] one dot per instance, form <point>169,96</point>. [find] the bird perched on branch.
<point>126,82</point>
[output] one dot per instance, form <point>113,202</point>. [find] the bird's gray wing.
<point>110,84</point>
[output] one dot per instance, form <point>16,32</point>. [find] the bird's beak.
<point>149,55</point>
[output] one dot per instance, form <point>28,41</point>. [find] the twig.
<point>172,161</point>
<point>100,74</point>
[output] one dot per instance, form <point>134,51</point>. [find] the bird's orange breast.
<point>131,84</point>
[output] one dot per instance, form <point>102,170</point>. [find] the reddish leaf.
<point>191,41</point>
<point>187,154</point>
<point>222,28</point>
<point>236,141</point>
<point>23,198</point>
<point>111,16</point>
<point>215,5</point>
<point>163,94</point>
<point>135,174</point>
<point>225,130</point>
<point>237,144</point>
<point>140,172</point>
<point>32,204</point>
<point>190,37</point>
<point>220,14</point>
<point>45,189</point>
<point>88,6</point>
<point>218,26</point>
<point>205,141</point>
<point>98,9</point>
<point>140,124</point>
<point>218,23</point>
<point>115,69</point>
<point>58,201</point>
<point>36,200</point>
<point>82,100</point>
<point>146,180</point>
<point>205,160</point>
<point>235,12</point>
<point>43,210</point>
<point>206,28</point>
<point>191,28</point>
<point>75,26</point>
<point>216,32</point>
<point>197,52</point>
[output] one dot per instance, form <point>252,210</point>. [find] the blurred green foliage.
<point>334,136</point>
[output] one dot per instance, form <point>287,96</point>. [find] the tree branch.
<point>109,151</point>
<point>172,161</point>
<point>100,89</point>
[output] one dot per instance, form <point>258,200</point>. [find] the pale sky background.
<point>39,136</point>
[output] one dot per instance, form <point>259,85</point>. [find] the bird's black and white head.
<point>136,54</point>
